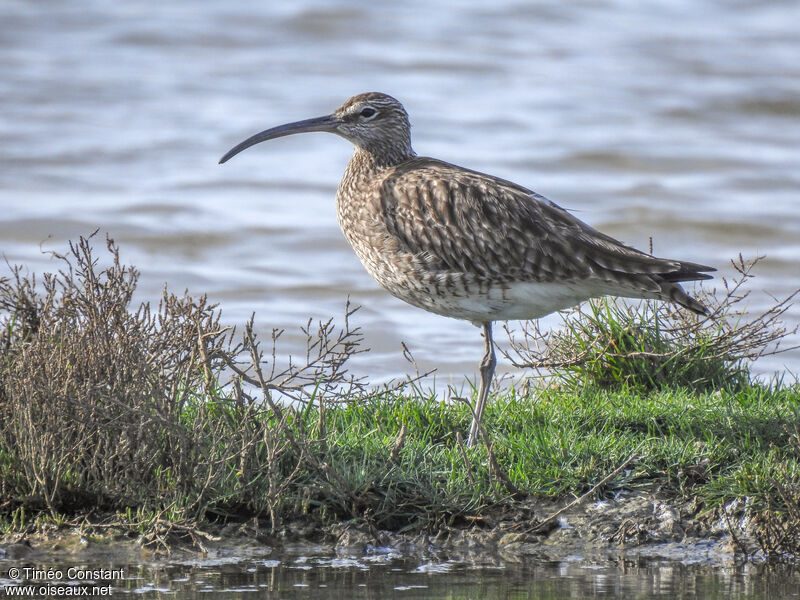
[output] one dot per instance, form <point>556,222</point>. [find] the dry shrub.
<point>104,406</point>
<point>93,393</point>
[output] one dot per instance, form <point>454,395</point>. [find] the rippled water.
<point>304,572</point>
<point>676,120</point>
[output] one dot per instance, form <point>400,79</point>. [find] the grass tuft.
<point>650,345</point>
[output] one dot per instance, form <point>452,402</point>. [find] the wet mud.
<point>629,526</point>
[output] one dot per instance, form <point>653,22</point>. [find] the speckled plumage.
<point>468,245</point>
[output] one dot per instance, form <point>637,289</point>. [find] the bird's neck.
<point>376,159</point>
<point>363,171</point>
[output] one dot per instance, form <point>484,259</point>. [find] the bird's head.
<point>375,123</point>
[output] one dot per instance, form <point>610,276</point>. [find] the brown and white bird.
<point>468,245</point>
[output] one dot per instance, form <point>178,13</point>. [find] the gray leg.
<point>487,371</point>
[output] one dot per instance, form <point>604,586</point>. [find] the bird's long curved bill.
<point>325,123</point>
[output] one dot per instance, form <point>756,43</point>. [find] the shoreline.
<point>642,524</point>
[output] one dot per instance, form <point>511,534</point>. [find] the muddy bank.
<point>632,525</point>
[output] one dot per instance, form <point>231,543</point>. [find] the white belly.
<point>517,301</point>
<point>520,301</point>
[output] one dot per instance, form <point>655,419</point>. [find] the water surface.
<point>305,572</point>
<point>675,120</point>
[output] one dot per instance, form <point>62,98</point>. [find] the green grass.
<point>714,446</point>
<point>556,443</point>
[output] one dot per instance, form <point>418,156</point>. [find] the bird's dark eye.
<point>368,112</point>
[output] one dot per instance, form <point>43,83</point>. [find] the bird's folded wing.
<point>464,221</point>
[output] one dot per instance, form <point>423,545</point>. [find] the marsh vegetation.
<point>162,420</point>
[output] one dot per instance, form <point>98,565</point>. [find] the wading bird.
<point>468,245</point>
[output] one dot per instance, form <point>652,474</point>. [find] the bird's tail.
<point>675,293</point>
<point>672,290</point>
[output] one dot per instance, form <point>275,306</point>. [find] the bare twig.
<point>541,525</point>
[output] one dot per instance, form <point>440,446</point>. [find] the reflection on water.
<point>674,120</point>
<point>382,574</point>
